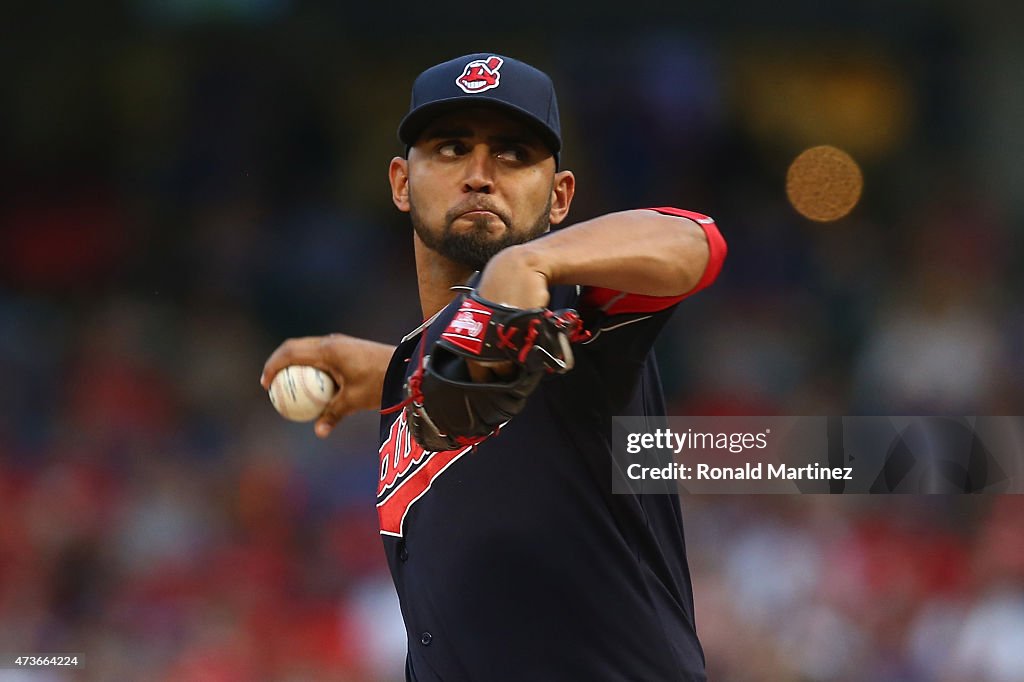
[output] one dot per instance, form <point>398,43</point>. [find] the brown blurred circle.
<point>824,183</point>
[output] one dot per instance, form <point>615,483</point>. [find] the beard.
<point>475,247</point>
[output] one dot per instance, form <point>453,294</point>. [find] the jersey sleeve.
<point>611,302</point>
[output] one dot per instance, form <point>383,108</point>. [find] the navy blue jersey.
<point>513,560</point>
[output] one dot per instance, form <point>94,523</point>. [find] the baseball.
<point>300,393</point>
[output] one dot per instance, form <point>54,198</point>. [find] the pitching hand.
<point>356,365</point>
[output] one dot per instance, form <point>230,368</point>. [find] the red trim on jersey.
<point>392,510</point>
<point>615,302</point>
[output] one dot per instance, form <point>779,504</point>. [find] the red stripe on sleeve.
<point>615,302</point>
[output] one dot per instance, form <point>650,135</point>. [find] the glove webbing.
<point>576,334</point>
<point>570,319</point>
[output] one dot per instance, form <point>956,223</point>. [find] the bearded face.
<point>479,180</point>
<point>475,230</point>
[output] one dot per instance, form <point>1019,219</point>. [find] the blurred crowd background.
<point>186,183</point>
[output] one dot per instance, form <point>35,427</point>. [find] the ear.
<point>562,192</point>
<point>398,176</point>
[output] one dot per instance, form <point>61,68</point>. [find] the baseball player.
<point>512,558</point>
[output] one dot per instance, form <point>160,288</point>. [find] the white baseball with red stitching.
<point>300,393</point>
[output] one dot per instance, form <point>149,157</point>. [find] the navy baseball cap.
<point>484,79</point>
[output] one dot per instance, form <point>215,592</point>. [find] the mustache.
<point>475,204</point>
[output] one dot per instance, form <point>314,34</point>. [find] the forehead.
<point>480,122</point>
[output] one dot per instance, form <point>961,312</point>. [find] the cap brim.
<point>416,121</point>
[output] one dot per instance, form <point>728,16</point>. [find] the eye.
<point>513,153</point>
<point>451,149</point>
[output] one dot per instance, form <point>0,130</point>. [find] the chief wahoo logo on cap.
<point>480,75</point>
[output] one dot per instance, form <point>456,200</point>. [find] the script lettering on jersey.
<point>406,474</point>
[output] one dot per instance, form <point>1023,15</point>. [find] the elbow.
<point>695,261</point>
<point>698,257</point>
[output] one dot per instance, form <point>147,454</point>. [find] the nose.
<point>479,171</point>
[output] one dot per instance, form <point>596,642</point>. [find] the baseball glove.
<point>447,409</point>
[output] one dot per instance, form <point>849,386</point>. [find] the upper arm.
<point>610,302</point>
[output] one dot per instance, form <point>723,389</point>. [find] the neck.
<point>436,275</point>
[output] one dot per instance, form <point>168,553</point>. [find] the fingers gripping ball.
<point>300,393</point>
